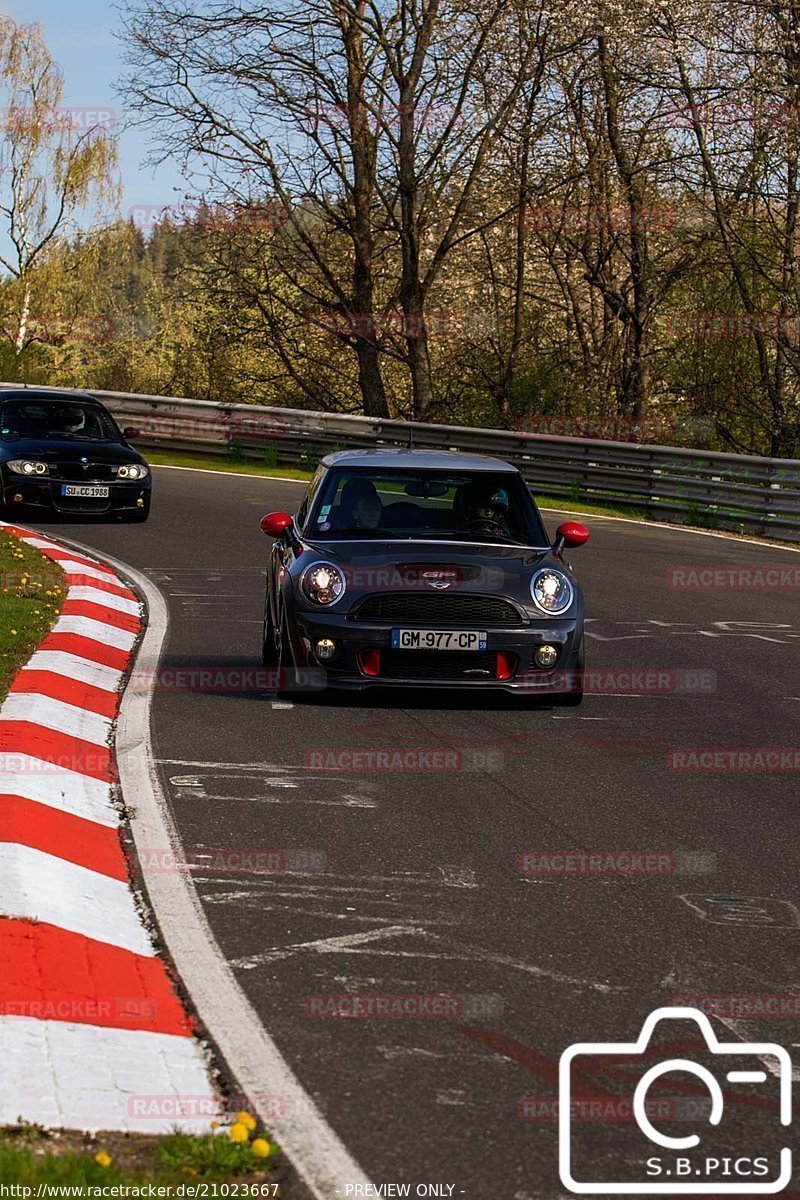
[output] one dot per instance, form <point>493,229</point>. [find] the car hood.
<point>385,566</point>
<point>67,449</point>
<point>406,550</point>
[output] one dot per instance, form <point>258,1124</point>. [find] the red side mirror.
<point>570,534</point>
<point>275,524</point>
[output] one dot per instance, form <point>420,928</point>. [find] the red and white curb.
<point>92,1034</point>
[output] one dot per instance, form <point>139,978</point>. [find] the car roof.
<point>41,393</point>
<point>420,460</point>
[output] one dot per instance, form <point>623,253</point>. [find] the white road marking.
<point>319,1156</point>
<point>332,945</point>
<point>98,631</point>
<point>62,662</point>
<point>46,888</point>
<point>57,715</point>
<point>90,1077</point>
<point>450,949</point>
<point>34,779</point>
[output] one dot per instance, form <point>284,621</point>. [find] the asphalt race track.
<point>413,884</point>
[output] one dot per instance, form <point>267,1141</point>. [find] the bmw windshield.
<point>490,506</point>
<point>42,419</point>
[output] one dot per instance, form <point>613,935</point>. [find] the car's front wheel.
<point>574,697</point>
<point>269,648</point>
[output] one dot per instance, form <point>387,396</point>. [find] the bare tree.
<point>49,171</point>
<point>384,113</point>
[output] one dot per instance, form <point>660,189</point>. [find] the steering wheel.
<point>484,525</point>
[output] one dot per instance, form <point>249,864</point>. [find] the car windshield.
<point>56,419</point>
<point>491,506</point>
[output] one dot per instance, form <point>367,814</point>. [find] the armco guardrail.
<point>727,491</point>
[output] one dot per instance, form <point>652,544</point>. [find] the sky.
<point>79,35</point>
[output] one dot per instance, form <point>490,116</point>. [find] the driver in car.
<point>360,505</point>
<point>485,510</point>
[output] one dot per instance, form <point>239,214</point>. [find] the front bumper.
<point>507,649</point>
<point>19,491</point>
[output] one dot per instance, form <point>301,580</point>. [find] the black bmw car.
<point>423,568</point>
<point>64,452</point>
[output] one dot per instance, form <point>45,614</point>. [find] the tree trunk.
<point>24,317</point>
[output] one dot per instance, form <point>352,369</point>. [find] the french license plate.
<point>438,639</point>
<point>93,491</point>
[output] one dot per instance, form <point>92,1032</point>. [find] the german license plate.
<point>438,639</point>
<point>86,491</point>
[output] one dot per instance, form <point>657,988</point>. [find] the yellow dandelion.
<point>244,1118</point>
<point>102,1159</point>
<point>239,1133</point>
<point>261,1148</point>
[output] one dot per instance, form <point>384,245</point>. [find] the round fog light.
<point>546,656</point>
<point>325,648</point>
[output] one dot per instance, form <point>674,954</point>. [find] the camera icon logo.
<point>666,1162</point>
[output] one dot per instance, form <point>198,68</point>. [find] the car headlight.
<point>25,466</point>
<point>551,591</point>
<point>131,471</point>
<point>323,583</point>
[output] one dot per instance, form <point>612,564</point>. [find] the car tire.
<point>269,648</point>
<point>575,698</point>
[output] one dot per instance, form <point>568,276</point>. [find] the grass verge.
<point>31,593</point>
<point>31,1155</point>
<point>160,458</point>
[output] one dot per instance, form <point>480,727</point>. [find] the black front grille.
<point>82,504</point>
<point>75,472</point>
<point>438,664</point>
<point>440,608</point>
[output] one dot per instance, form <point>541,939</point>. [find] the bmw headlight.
<point>24,466</point>
<point>323,583</point>
<point>132,471</point>
<point>551,591</point>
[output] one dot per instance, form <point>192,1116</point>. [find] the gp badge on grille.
<point>440,579</point>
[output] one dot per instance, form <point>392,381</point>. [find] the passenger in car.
<point>359,506</point>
